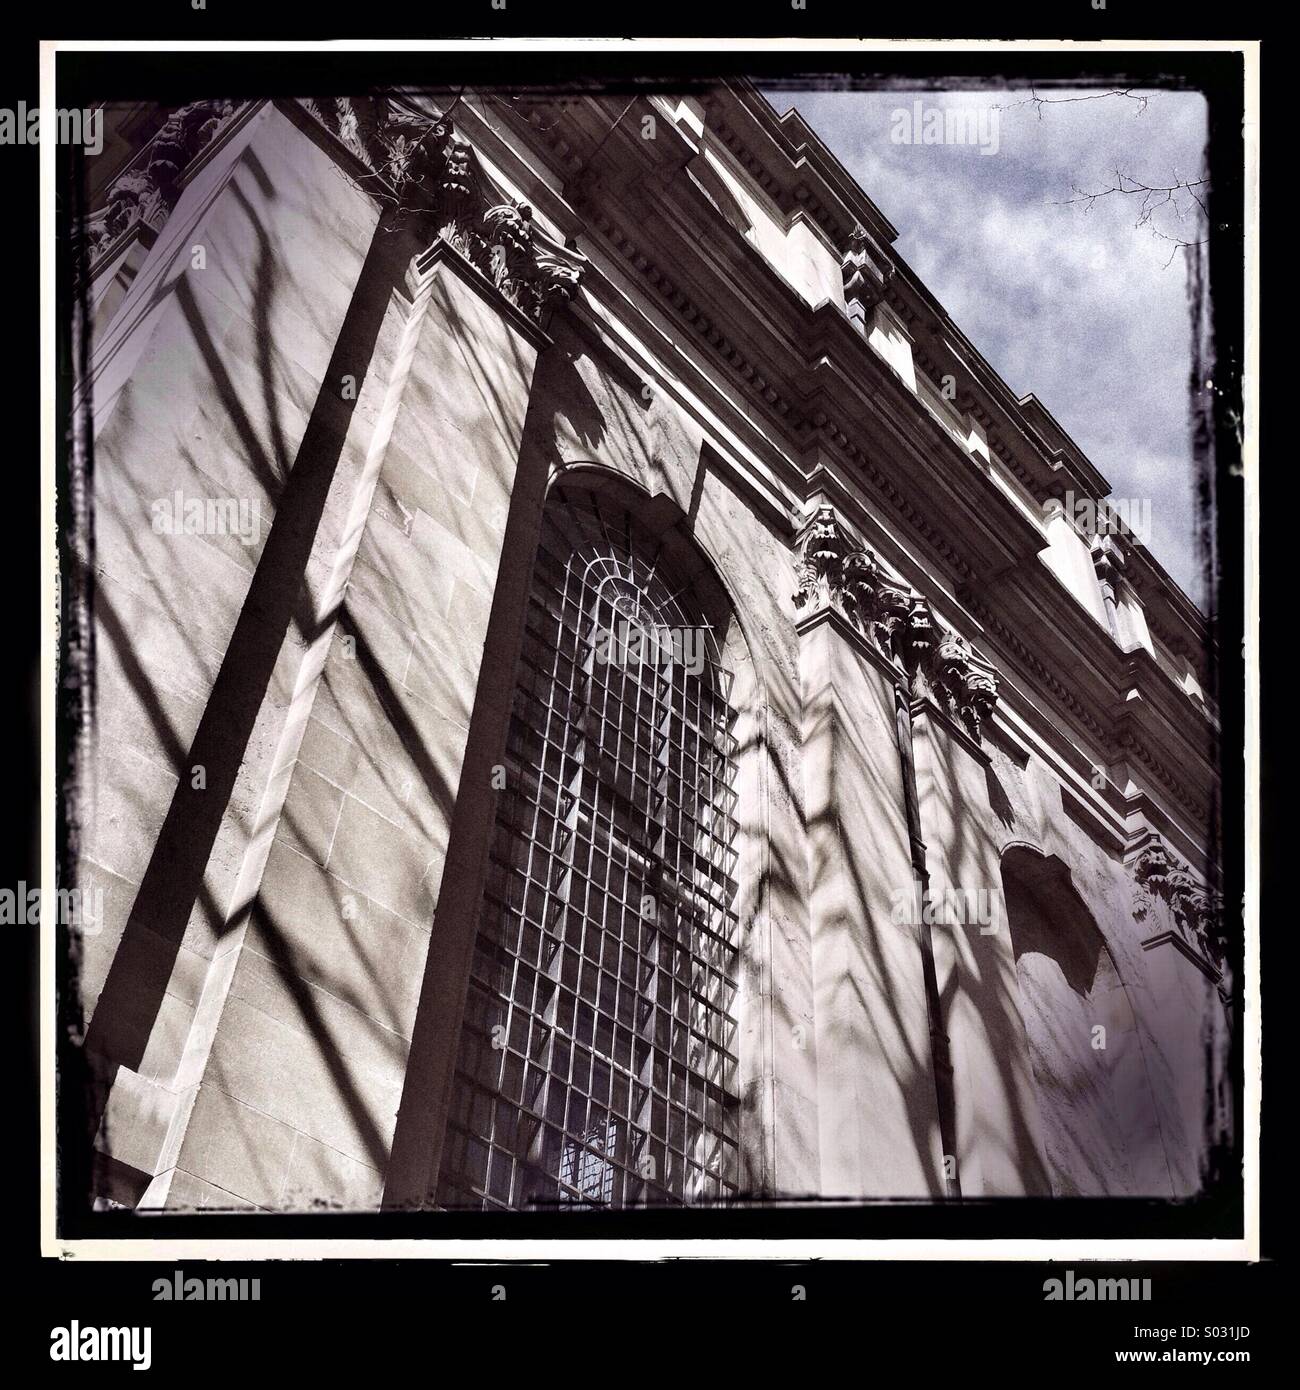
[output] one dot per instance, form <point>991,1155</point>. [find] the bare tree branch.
<point>1033,99</point>
<point>1152,198</point>
<point>1182,195</point>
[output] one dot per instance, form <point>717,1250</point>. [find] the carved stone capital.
<point>964,681</point>
<point>425,171</point>
<point>860,579</point>
<point>823,545</point>
<point>148,190</point>
<point>834,570</point>
<point>558,276</point>
<point>1198,914</point>
<point>890,614</point>
<point>510,227</point>
<point>533,270</point>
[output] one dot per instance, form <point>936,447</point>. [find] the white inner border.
<point>144,1248</point>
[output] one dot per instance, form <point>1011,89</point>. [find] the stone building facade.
<point>603,696</point>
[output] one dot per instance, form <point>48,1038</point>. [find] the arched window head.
<point>1098,1124</point>
<point>597,1061</point>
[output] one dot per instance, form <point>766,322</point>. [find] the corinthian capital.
<point>834,570</point>
<point>824,546</point>
<point>430,173</point>
<point>964,681</point>
<point>1198,914</point>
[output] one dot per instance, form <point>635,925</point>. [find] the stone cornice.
<point>799,168</point>
<point>700,322</point>
<point>1022,433</point>
<point>1043,675</point>
<point>750,129</point>
<point>1174,620</point>
<point>1124,705</point>
<point>777,153</point>
<point>812,412</point>
<point>1095,710</point>
<point>1013,424</point>
<point>901,457</point>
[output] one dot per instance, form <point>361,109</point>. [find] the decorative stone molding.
<point>424,169</point>
<point>147,191</point>
<point>833,570</point>
<point>938,538</point>
<point>966,680</point>
<point>560,131</point>
<point>1161,876</point>
<point>697,320</point>
<point>1121,742</point>
<point>1108,560</point>
<point>935,535</point>
<point>419,166</point>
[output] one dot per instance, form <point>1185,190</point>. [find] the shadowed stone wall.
<point>876,1093</point>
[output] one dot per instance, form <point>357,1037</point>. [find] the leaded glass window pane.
<point>597,1062</point>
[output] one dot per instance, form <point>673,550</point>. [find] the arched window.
<point>597,1061</point>
<point>1099,1127</point>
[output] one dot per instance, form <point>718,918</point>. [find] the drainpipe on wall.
<point>940,1052</point>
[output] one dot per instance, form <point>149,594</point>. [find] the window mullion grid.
<point>657,737</point>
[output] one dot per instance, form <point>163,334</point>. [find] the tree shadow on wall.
<point>173,881</point>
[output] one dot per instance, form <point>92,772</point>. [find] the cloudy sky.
<point>1076,304</point>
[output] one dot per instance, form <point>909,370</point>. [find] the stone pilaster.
<point>879,1126</point>
<point>316,1021</point>
<point>916,697</point>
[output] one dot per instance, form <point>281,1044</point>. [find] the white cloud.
<point>1069,301</point>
